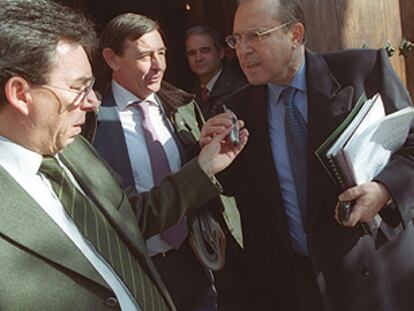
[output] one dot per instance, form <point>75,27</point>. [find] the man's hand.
<point>369,199</point>
<point>215,126</point>
<point>217,151</point>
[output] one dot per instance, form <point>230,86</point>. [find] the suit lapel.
<point>187,130</point>
<point>223,84</point>
<point>258,148</point>
<point>110,130</point>
<point>28,225</point>
<point>93,176</point>
<point>328,104</point>
<point>257,158</point>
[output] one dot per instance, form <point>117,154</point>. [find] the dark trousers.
<point>228,280</point>
<point>308,290</point>
<point>186,279</point>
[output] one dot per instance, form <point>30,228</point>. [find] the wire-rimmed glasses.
<point>251,37</point>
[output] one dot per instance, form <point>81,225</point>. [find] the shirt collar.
<point>213,80</point>
<point>124,98</point>
<point>298,82</point>
<point>16,158</point>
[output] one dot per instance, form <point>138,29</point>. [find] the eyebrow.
<point>253,29</point>
<point>81,81</point>
<point>139,52</point>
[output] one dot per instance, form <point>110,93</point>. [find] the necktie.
<point>99,231</point>
<point>176,234</point>
<point>296,140</point>
<point>204,94</point>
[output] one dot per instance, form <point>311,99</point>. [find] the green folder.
<point>321,152</point>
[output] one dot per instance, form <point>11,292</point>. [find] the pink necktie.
<point>176,234</point>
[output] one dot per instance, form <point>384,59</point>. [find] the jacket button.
<point>366,271</point>
<point>111,302</point>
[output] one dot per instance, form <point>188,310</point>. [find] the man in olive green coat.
<point>48,261</point>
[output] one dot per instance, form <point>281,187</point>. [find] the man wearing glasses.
<point>70,239</point>
<point>300,256</point>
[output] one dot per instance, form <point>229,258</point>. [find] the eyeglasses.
<point>81,94</point>
<point>251,37</point>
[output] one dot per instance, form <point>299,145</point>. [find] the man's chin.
<point>254,80</point>
<point>154,87</point>
<point>66,142</point>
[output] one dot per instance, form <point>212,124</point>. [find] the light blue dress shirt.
<point>276,117</point>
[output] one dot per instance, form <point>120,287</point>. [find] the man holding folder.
<point>300,257</point>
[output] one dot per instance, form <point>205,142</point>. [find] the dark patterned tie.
<point>204,94</point>
<point>176,234</point>
<point>296,140</point>
<point>99,231</point>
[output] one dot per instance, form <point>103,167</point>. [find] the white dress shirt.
<point>131,123</point>
<point>212,81</point>
<point>23,165</point>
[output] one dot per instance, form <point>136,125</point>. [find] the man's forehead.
<point>199,41</point>
<point>252,15</point>
<point>64,47</point>
<point>148,41</point>
<point>205,37</point>
<point>72,63</point>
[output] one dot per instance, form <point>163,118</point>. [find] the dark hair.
<point>126,26</point>
<point>214,34</point>
<point>290,11</point>
<point>30,31</point>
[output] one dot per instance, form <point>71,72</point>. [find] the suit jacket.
<point>230,80</point>
<point>186,119</point>
<point>41,269</point>
<point>354,272</point>
<point>110,140</point>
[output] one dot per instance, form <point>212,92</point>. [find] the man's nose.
<point>243,47</point>
<point>92,101</point>
<point>156,62</point>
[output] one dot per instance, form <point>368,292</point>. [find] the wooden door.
<point>338,24</point>
<point>407,18</point>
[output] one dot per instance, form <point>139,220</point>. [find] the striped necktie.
<point>99,231</point>
<point>296,140</point>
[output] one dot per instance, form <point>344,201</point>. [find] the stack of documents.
<point>362,145</point>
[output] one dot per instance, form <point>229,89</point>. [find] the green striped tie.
<point>97,229</point>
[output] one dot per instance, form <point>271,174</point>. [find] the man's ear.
<point>298,33</point>
<point>18,95</point>
<point>111,58</point>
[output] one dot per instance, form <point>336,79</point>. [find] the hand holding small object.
<point>234,133</point>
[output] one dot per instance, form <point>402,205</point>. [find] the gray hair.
<point>30,31</point>
<point>214,34</point>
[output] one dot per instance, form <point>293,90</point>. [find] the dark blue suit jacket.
<point>354,272</point>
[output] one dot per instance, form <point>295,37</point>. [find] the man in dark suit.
<point>70,238</point>
<point>134,51</point>
<point>300,257</point>
<point>205,53</point>
<point>217,81</point>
